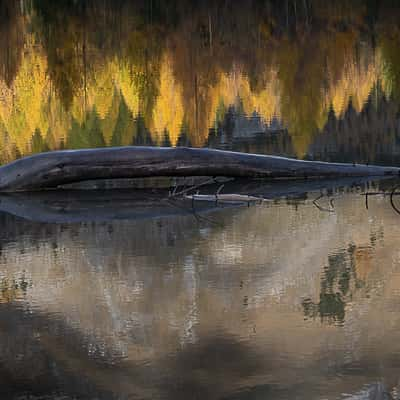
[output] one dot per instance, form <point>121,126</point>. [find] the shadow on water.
<point>67,363</point>
<point>69,206</point>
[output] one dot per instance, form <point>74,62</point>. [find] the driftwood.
<point>50,170</point>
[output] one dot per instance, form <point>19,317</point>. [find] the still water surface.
<point>275,301</point>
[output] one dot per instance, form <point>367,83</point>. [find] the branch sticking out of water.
<point>320,208</point>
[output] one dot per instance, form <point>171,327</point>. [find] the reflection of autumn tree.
<point>211,43</point>
<point>308,62</point>
<point>302,82</point>
<point>64,42</point>
<point>80,37</point>
<point>196,72</point>
<point>21,104</point>
<point>314,65</point>
<point>11,39</point>
<point>390,46</point>
<point>140,66</point>
<point>168,109</point>
<point>129,87</point>
<point>168,72</point>
<point>389,42</point>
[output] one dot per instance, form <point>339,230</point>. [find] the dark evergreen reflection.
<point>335,286</point>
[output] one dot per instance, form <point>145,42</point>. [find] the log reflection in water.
<point>68,206</point>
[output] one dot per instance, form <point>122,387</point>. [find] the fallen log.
<point>52,169</point>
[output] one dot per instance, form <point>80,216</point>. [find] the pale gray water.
<point>276,301</point>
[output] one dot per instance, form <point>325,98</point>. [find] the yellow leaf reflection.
<point>168,110</point>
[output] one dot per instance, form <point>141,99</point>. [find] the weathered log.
<point>50,170</point>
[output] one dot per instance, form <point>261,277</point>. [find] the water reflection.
<point>335,285</point>
<point>307,80</point>
<point>280,300</point>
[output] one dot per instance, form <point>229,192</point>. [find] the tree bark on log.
<point>52,169</point>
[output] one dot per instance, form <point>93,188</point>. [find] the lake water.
<point>125,295</point>
<point>272,301</point>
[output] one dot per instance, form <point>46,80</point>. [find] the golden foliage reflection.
<point>189,85</point>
